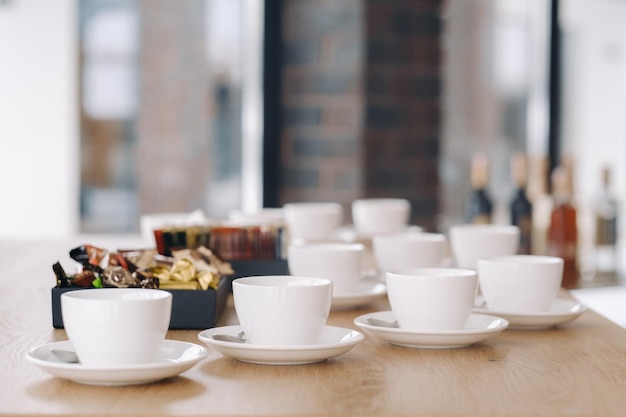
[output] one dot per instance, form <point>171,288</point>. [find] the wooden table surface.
<point>578,369</point>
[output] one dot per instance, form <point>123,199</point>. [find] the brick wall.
<point>322,100</point>
<point>361,102</point>
<point>402,127</point>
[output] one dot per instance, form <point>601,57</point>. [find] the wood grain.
<point>578,369</point>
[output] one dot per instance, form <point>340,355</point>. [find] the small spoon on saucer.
<point>229,338</point>
<point>65,355</point>
<point>382,323</point>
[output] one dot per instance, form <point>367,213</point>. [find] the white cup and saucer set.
<point>341,262</point>
<point>373,217</point>
<point>523,289</point>
<point>431,308</point>
<point>317,249</point>
<point>431,305</point>
<point>282,322</point>
<point>345,254</point>
<point>125,348</point>
<point>376,216</point>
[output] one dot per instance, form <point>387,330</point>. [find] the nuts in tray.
<point>186,269</point>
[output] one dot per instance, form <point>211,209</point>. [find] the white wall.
<point>594,105</point>
<point>39,159</point>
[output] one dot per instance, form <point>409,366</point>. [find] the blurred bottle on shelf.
<point>521,208</point>
<point>541,203</point>
<point>606,216</point>
<point>478,207</point>
<point>563,230</point>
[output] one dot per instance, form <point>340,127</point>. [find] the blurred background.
<point>110,109</point>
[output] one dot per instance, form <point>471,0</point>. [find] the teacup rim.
<point>255,281</point>
<point>431,273</point>
<point>103,294</point>
<point>523,259</point>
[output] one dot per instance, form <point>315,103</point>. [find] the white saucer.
<point>561,311</point>
<point>479,327</point>
<point>174,358</point>
<point>363,293</point>
<point>334,341</point>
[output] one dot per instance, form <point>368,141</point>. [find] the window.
<point>161,109</point>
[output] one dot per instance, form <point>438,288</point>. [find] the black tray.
<point>191,309</point>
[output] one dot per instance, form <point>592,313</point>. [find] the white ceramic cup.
<point>282,310</point>
<point>374,216</point>
<point>342,263</point>
<point>432,299</point>
<point>520,283</point>
<point>469,242</point>
<point>409,250</point>
<point>312,221</point>
<point>116,326</point>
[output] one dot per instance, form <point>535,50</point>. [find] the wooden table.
<point>576,370</point>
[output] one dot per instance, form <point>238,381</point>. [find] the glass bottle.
<point>521,208</point>
<point>541,203</point>
<point>478,207</point>
<point>563,229</point>
<point>606,214</point>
